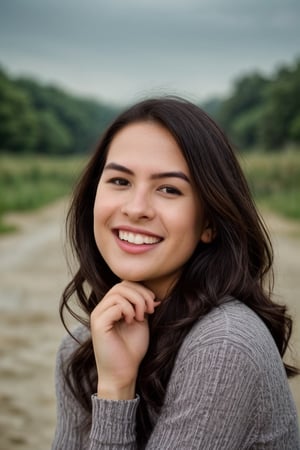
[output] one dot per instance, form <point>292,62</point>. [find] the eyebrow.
<point>155,176</point>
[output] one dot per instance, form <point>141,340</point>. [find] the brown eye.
<point>170,190</point>
<point>119,181</point>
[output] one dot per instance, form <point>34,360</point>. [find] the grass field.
<point>275,181</point>
<point>28,182</point>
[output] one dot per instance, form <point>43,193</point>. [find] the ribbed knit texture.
<point>228,391</point>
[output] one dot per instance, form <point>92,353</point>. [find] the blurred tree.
<point>264,112</point>
<point>84,119</point>
<point>280,121</point>
<point>18,121</point>
<point>46,119</point>
<point>294,130</point>
<point>247,98</point>
<point>53,136</point>
<point>245,128</point>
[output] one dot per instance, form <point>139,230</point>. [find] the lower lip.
<point>135,249</point>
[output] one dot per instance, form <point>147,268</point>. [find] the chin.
<point>124,275</point>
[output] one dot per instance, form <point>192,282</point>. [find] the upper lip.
<point>136,231</point>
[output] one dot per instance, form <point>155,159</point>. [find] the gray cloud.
<point>118,49</point>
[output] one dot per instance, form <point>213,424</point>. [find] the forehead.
<point>146,143</point>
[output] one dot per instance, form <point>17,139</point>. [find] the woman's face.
<point>147,216</point>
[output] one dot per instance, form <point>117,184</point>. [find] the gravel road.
<point>32,275</point>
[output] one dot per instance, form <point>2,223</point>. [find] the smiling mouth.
<point>137,238</point>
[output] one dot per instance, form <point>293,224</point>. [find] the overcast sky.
<point>121,50</point>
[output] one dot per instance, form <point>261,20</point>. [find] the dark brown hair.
<point>237,263</point>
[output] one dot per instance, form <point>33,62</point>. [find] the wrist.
<point>109,392</point>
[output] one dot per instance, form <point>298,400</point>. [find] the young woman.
<point>180,346</point>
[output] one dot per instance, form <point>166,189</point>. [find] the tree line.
<point>42,119</point>
<point>260,112</point>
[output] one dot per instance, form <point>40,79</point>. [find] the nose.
<point>138,206</point>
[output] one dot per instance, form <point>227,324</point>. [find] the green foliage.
<point>260,112</point>
<point>282,107</point>
<point>245,127</point>
<point>274,179</point>
<point>264,112</point>
<point>28,182</point>
<point>294,129</point>
<point>47,120</point>
<point>81,120</point>
<point>18,121</point>
<point>248,93</point>
<point>53,136</point>
<point>240,114</point>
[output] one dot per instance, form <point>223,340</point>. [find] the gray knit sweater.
<point>228,390</point>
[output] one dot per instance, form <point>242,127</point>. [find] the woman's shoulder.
<point>233,339</point>
<point>233,320</point>
<point>235,325</point>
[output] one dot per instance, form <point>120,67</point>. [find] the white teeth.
<point>136,238</point>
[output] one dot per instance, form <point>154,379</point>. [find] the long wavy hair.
<point>236,264</point>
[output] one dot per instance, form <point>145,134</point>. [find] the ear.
<point>208,234</point>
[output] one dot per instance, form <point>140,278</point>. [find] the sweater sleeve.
<point>211,401</point>
<point>113,424</point>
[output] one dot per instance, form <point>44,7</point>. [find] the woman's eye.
<point>119,181</point>
<point>170,190</point>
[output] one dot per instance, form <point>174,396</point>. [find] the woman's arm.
<point>69,433</point>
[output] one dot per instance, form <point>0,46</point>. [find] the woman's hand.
<point>120,337</point>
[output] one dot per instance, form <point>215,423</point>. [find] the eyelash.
<point>170,190</point>
<point>122,182</point>
<point>118,181</point>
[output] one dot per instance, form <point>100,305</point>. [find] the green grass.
<point>28,182</point>
<point>6,228</point>
<point>275,181</point>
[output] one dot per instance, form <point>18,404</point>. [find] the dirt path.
<point>32,276</point>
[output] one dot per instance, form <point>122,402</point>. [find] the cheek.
<point>97,211</point>
<point>188,221</point>
<point>102,206</point>
<point>101,216</point>
<point>98,208</point>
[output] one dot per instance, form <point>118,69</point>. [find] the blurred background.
<point>66,69</point>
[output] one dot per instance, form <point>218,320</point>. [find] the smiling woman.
<point>180,345</point>
<point>148,208</point>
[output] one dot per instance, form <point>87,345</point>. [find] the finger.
<point>141,304</point>
<point>138,301</point>
<point>119,309</point>
<point>143,290</point>
<point>126,309</point>
<point>147,294</point>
